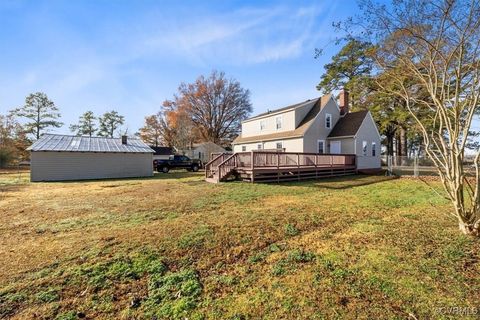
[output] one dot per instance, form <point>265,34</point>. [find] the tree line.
<point>39,115</point>
<point>209,109</point>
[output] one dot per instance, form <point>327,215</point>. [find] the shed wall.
<point>58,166</point>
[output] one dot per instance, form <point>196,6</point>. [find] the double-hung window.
<point>328,121</point>
<point>374,149</point>
<point>263,125</point>
<point>321,146</point>
<point>278,122</point>
<point>364,148</point>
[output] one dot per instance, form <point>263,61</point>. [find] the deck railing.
<point>294,159</point>
<point>226,163</point>
<point>212,165</point>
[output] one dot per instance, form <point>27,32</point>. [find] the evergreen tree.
<point>86,125</point>
<point>40,112</point>
<point>109,122</point>
<point>350,69</point>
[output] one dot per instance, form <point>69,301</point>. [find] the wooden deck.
<point>267,166</point>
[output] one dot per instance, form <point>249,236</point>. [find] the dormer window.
<point>278,122</point>
<point>263,125</point>
<point>328,121</point>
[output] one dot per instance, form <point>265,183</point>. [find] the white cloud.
<point>242,37</point>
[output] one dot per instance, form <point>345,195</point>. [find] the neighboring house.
<point>314,126</point>
<point>162,153</point>
<point>63,157</point>
<point>203,151</point>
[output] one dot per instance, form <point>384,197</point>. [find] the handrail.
<point>227,166</point>
<point>299,159</point>
<point>208,167</point>
<point>222,165</point>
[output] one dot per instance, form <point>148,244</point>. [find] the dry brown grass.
<point>356,247</point>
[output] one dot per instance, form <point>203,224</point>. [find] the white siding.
<point>368,132</point>
<point>290,145</point>
<point>347,144</point>
<point>57,166</point>
<point>317,130</point>
<point>252,128</point>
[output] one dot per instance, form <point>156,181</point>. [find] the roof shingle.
<point>348,125</point>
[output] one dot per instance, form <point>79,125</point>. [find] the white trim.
<point>324,145</point>
<point>329,116</point>
<point>374,125</point>
<point>341,137</point>
<point>335,100</point>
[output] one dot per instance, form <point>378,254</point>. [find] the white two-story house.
<point>315,126</point>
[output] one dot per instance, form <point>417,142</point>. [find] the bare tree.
<point>434,46</point>
<point>216,105</point>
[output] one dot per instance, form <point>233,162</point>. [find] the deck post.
<point>331,165</point>
<point>278,167</point>
<point>252,165</point>
<point>298,165</point>
<point>316,166</point>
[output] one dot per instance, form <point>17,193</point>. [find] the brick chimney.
<point>344,101</point>
<point>124,139</point>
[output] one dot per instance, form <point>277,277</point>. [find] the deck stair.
<point>268,166</point>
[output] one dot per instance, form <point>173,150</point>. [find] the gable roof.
<point>317,106</point>
<point>207,144</point>
<point>57,142</point>
<point>349,124</point>
<point>283,109</point>
<point>162,151</point>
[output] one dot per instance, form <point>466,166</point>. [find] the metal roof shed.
<point>64,157</point>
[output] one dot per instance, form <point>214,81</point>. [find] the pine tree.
<point>109,122</point>
<point>86,125</point>
<point>40,112</point>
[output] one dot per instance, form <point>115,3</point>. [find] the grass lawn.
<point>174,247</point>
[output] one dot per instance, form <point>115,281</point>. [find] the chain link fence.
<point>418,166</point>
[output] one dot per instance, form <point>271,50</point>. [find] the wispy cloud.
<point>245,36</point>
<point>131,61</point>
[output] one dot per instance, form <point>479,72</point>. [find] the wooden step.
<point>212,180</point>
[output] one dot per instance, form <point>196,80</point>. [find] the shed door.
<point>336,147</point>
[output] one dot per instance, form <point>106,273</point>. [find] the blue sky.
<point>131,55</point>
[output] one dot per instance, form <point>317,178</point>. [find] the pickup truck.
<point>177,162</point>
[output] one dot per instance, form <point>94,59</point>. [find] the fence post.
<point>415,167</point>
<point>389,165</point>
